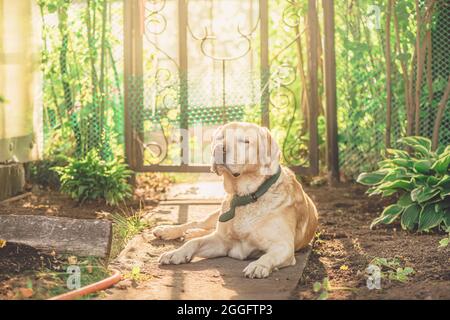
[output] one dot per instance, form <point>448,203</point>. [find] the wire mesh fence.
<point>82,63</point>
<point>83,66</point>
<point>362,32</point>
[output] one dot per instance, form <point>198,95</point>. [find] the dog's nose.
<point>219,154</point>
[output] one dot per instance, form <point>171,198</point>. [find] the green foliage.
<point>444,242</point>
<point>323,288</point>
<point>126,226</point>
<point>391,269</point>
<point>93,178</point>
<point>421,179</point>
<point>83,98</point>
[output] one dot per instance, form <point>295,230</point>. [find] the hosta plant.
<point>91,178</point>
<point>421,179</point>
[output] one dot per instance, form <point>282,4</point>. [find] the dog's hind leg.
<point>202,227</point>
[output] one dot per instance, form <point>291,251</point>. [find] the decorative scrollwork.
<point>282,96</point>
<point>156,23</point>
<point>207,37</point>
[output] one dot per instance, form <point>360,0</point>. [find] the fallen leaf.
<point>317,286</point>
<point>2,243</point>
<point>26,292</point>
<point>72,260</point>
<point>344,267</point>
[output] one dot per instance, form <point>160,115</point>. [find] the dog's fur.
<point>282,221</point>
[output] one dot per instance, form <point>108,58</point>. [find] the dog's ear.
<point>270,152</point>
<point>214,135</point>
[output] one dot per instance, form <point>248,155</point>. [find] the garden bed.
<point>345,246</point>
<point>27,273</point>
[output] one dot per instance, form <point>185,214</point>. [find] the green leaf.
<point>396,174</point>
<point>423,194</point>
<point>444,242</point>
<point>446,219</point>
<point>429,218</point>
<point>419,179</point>
<point>433,181</point>
<point>51,7</point>
<point>326,284</point>
<point>423,166</point>
<point>441,165</point>
<point>445,180</point>
<point>410,217</point>
<point>323,296</point>
<point>386,164</point>
<point>408,164</point>
<point>408,270</point>
<point>370,179</point>
<point>398,184</point>
<point>389,192</point>
<point>398,153</point>
<point>317,286</point>
<point>405,200</point>
<point>388,215</point>
<point>418,143</point>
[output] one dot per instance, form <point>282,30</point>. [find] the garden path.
<point>219,278</point>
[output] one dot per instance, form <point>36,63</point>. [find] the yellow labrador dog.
<point>265,214</point>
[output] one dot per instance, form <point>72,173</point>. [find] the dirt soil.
<point>343,250</point>
<point>17,266</point>
<point>22,266</point>
<point>345,246</point>
<point>52,203</point>
<point>16,258</point>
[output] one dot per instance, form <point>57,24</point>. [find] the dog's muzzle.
<point>219,160</point>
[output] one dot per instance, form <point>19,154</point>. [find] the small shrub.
<point>421,179</point>
<point>91,178</point>
<point>391,269</point>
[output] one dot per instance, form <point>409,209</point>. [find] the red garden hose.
<point>94,287</point>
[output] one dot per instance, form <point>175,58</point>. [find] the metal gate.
<point>193,65</point>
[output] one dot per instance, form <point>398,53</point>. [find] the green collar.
<point>239,201</point>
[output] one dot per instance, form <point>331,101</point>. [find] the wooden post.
<point>265,67</point>
<point>388,76</point>
<point>133,87</point>
<point>330,89</point>
<point>313,65</point>
<point>440,115</point>
<point>183,74</point>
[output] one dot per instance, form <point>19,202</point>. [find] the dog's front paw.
<point>167,232</point>
<point>175,257</point>
<point>256,270</point>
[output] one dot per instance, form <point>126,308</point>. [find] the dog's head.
<point>240,148</point>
